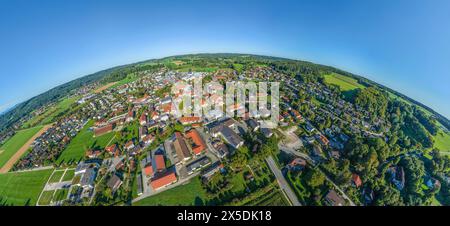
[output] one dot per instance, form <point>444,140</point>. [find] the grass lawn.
<point>23,188</point>
<point>46,197</point>
<point>238,182</point>
<point>15,143</point>
<point>442,141</point>
<point>185,195</point>
<point>56,176</point>
<point>345,83</point>
<point>84,140</point>
<point>69,175</point>
<point>130,78</point>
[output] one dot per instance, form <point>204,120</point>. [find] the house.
<point>129,145</point>
<point>210,171</point>
<point>309,127</point>
<point>114,183</point>
<point>189,120</point>
<point>93,153</point>
<point>181,148</point>
<point>432,183</point>
<point>130,116</point>
<point>159,164</point>
<point>112,148</point>
<point>333,199</point>
<point>143,119</point>
<point>142,132</point>
<point>356,180</point>
<point>253,124</point>
<point>88,178</point>
<point>221,149</point>
<point>198,164</point>
<point>162,180</point>
<point>397,176</point>
<point>231,137</point>
<point>148,139</point>
<point>98,131</point>
<point>322,139</point>
<point>266,132</point>
<point>335,154</point>
<point>146,163</point>
<point>297,164</point>
<point>198,145</point>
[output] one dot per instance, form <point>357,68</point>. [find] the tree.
<point>314,178</point>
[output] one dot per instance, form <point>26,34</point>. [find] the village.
<point>153,151</point>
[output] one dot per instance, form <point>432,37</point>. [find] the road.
<point>282,182</point>
<point>307,157</point>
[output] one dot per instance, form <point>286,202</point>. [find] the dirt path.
<point>99,90</point>
<point>8,165</point>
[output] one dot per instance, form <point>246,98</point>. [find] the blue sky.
<point>403,44</point>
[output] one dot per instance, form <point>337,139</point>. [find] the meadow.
<point>442,141</point>
<point>11,146</point>
<point>50,114</point>
<point>22,188</point>
<point>186,195</point>
<point>84,140</point>
<point>345,83</point>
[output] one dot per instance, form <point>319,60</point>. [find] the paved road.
<point>282,182</point>
<point>307,157</point>
<point>296,153</point>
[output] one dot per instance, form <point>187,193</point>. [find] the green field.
<point>56,176</point>
<point>345,83</point>
<point>69,175</point>
<point>15,143</point>
<point>442,141</point>
<point>185,195</point>
<point>84,140</point>
<point>130,78</point>
<point>22,188</point>
<point>49,115</point>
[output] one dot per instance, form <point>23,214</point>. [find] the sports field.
<point>345,83</point>
<point>82,142</point>
<point>15,143</point>
<point>22,188</point>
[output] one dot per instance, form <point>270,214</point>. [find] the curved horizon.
<point>402,45</point>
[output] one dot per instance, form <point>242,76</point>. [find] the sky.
<point>403,44</point>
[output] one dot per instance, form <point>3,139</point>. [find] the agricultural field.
<point>22,188</point>
<point>187,195</point>
<point>82,142</point>
<point>15,143</point>
<point>270,196</point>
<point>49,115</point>
<point>442,141</point>
<point>345,83</point>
